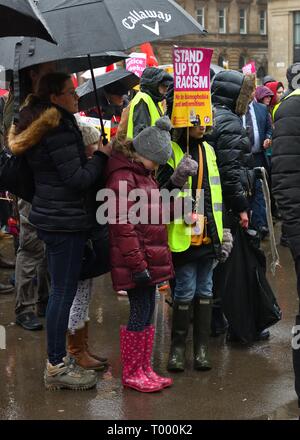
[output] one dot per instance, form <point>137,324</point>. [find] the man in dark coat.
<point>259,128</point>
<point>231,94</point>
<point>286,182</point>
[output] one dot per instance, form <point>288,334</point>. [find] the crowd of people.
<point>216,174</point>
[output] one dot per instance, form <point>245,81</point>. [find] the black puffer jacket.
<point>231,93</point>
<point>286,168</point>
<point>53,145</point>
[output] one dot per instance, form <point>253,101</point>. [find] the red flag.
<point>3,92</point>
<point>148,50</point>
<point>75,81</point>
<point>110,68</point>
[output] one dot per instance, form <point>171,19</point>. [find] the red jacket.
<point>133,248</point>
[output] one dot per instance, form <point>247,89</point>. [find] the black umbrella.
<point>122,80</point>
<point>91,26</point>
<point>22,18</point>
<point>34,51</point>
<point>97,26</point>
<point>100,25</point>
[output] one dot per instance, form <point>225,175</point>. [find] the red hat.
<point>274,86</point>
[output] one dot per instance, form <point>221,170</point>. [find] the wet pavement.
<point>245,383</point>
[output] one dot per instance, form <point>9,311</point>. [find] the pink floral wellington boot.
<point>132,354</point>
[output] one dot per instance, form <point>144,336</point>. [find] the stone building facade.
<point>237,31</point>
<point>284,36</point>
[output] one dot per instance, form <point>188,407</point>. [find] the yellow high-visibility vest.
<point>153,111</point>
<point>294,93</point>
<point>179,234</point>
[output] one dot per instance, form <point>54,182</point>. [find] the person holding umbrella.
<point>113,102</point>
<point>116,98</point>
<point>111,90</point>
<point>49,137</point>
<point>146,107</point>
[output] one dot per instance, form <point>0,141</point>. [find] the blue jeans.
<point>194,280</point>
<point>64,254</point>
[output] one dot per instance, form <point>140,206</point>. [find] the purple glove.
<point>187,167</point>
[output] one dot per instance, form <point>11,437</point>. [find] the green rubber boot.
<point>180,328</point>
<point>201,333</point>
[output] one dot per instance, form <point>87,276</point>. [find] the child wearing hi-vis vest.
<point>197,243</point>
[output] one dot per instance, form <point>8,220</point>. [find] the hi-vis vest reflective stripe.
<point>294,93</point>
<point>154,113</point>
<point>179,234</point>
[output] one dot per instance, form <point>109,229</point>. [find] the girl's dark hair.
<point>52,84</point>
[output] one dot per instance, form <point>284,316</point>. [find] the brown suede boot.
<point>76,348</point>
<point>101,359</point>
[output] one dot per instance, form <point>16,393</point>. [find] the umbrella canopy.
<point>97,26</point>
<point>70,61</point>
<point>119,81</point>
<point>22,18</point>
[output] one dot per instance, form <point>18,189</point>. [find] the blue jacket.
<point>264,122</point>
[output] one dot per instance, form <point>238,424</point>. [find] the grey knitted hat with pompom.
<point>154,143</point>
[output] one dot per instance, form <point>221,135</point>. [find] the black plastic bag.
<point>249,303</point>
<point>96,254</point>
<point>16,176</point>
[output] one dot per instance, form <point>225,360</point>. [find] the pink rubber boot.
<point>132,353</point>
<point>147,367</point>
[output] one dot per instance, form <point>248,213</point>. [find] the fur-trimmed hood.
<point>20,142</point>
<point>121,161</point>
<point>233,90</point>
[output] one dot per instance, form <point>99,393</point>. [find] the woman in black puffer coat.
<point>231,94</point>
<point>49,137</point>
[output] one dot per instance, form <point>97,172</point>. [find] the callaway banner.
<point>192,97</point>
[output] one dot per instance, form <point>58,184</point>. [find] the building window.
<point>243,21</point>
<point>200,16</point>
<point>261,73</point>
<point>221,61</point>
<point>222,21</point>
<point>263,22</point>
<point>297,37</point>
<point>242,61</point>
